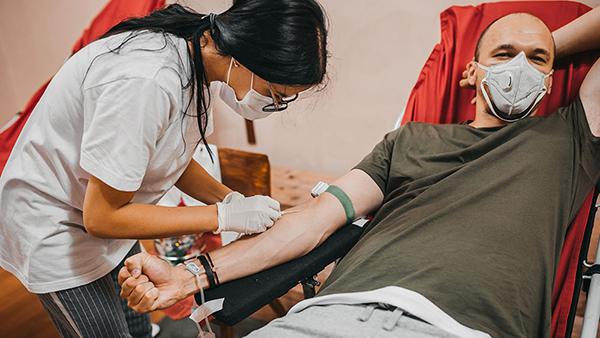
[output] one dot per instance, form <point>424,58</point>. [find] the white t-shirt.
<point>174,196</point>
<point>121,120</point>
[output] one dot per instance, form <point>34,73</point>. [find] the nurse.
<point>117,127</point>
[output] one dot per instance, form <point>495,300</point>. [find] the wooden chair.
<point>250,174</point>
<point>246,172</point>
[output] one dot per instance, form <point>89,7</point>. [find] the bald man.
<point>469,218</point>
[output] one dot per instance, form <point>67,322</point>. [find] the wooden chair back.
<point>246,172</point>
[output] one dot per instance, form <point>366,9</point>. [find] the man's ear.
<point>549,85</point>
<point>472,73</point>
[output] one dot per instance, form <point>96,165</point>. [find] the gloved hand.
<point>247,215</point>
<point>233,196</point>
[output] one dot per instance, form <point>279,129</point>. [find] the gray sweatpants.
<point>96,310</point>
<point>344,321</point>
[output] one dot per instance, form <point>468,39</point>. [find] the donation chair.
<point>437,98</point>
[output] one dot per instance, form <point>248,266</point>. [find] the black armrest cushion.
<point>246,295</point>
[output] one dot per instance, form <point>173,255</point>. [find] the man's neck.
<point>483,119</point>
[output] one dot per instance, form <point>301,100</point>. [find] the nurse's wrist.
<point>214,219</point>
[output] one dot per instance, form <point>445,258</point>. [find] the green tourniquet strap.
<point>345,200</point>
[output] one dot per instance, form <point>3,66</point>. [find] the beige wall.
<point>377,47</point>
<point>36,36</point>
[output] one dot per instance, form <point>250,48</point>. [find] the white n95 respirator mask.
<point>251,106</point>
<point>515,88</point>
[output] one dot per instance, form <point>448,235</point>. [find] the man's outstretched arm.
<point>155,284</point>
<point>581,35</point>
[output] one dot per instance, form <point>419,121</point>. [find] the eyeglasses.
<point>278,104</point>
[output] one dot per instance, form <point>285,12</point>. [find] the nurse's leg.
<point>139,324</point>
<point>91,310</point>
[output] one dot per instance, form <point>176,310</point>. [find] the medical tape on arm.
<point>338,193</point>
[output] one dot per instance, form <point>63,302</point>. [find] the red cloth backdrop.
<point>114,12</point>
<point>437,98</point>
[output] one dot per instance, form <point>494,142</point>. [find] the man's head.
<point>504,39</point>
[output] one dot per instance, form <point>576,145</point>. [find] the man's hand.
<point>149,283</point>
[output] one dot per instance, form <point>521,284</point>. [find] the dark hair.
<point>282,41</point>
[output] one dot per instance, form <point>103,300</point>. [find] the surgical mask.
<point>251,106</point>
<point>515,88</point>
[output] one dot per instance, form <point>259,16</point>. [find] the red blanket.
<point>437,98</point>
<point>114,12</point>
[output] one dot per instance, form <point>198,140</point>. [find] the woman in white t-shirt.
<point>117,127</point>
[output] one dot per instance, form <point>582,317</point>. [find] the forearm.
<point>297,233</point>
<point>142,221</point>
<point>582,34</point>
<point>198,183</point>
<point>294,235</point>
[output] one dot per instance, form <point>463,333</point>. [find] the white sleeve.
<point>123,121</point>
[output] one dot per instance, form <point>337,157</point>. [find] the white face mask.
<point>515,88</point>
<point>251,106</point>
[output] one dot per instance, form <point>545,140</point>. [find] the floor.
<point>22,315</point>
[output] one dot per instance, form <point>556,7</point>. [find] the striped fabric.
<point>96,310</point>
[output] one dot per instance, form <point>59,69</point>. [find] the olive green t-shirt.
<point>474,219</point>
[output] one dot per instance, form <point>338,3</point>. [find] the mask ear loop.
<point>229,70</point>
<point>231,64</point>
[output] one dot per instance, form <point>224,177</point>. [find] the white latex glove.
<point>248,215</point>
<point>233,196</point>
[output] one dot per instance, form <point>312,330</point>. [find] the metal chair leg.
<point>592,305</point>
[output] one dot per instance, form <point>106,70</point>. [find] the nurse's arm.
<point>580,35</point>
<point>108,213</point>
<point>198,183</point>
<point>292,236</point>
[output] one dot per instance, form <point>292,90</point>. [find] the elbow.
<point>95,226</point>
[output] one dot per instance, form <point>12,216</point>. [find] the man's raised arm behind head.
<point>156,284</point>
<point>580,35</point>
